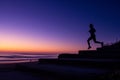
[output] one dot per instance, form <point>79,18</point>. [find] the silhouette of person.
<point>92,36</point>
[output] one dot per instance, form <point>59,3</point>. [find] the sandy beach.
<point>9,72</point>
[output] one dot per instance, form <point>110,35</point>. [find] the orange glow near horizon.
<point>13,43</point>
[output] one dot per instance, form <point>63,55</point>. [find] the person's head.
<point>91,25</point>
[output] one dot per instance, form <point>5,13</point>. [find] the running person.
<point>92,36</point>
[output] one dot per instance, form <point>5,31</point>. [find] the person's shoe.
<point>102,44</point>
<point>89,47</point>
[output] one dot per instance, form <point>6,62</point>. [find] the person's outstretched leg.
<point>98,41</point>
<point>88,41</point>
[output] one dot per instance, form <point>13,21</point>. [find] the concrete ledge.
<point>95,63</point>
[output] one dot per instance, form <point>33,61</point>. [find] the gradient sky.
<point>56,25</point>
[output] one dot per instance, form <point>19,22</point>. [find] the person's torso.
<point>92,32</point>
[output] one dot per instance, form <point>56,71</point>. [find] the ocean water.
<point>19,57</point>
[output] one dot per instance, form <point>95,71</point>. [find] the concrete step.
<point>93,54</point>
<point>84,62</point>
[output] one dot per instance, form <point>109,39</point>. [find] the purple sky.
<point>56,25</point>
